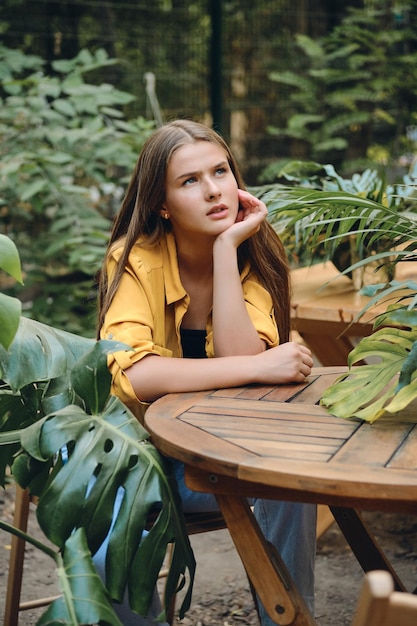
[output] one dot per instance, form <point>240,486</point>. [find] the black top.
<point>193,343</point>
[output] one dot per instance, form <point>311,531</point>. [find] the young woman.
<point>194,270</point>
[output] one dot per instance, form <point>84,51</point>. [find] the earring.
<point>166,216</point>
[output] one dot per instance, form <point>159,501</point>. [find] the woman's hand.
<point>233,331</point>
<point>286,363</point>
<point>250,215</point>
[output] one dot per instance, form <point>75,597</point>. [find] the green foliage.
<point>107,450</point>
<point>320,121</point>
<point>353,88</point>
<point>321,213</point>
<point>368,391</point>
<point>85,599</point>
<point>65,153</point>
<point>76,446</point>
<point>10,308</point>
<point>40,353</point>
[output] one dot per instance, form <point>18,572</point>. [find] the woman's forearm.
<point>233,331</point>
<point>154,376</point>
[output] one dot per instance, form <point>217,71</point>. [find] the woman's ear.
<point>164,213</point>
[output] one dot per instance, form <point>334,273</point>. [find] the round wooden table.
<point>277,442</point>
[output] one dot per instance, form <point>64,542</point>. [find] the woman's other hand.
<point>287,363</point>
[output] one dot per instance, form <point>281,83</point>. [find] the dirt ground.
<point>221,593</point>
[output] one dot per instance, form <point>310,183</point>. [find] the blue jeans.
<point>289,526</point>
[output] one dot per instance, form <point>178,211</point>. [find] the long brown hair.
<point>139,216</point>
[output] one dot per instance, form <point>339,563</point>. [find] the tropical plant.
<point>70,442</point>
<point>324,218</point>
<point>310,234</point>
<point>66,151</point>
<point>351,94</point>
<point>309,126</point>
<point>10,308</point>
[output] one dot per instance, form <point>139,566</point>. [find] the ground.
<point>221,594</point>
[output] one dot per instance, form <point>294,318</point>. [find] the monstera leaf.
<point>368,391</point>
<point>83,457</point>
<point>85,599</point>
<point>109,453</point>
<point>35,378</point>
<point>40,353</point>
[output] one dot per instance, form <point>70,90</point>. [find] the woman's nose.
<point>212,190</point>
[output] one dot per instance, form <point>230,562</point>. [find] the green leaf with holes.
<point>84,598</point>
<point>81,449</point>
<point>109,454</point>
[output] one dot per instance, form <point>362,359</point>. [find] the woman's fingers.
<point>250,204</point>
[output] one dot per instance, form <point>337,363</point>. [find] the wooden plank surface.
<point>280,437</point>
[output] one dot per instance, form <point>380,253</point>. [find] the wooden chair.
<point>380,605</point>
<point>16,561</point>
<point>196,523</point>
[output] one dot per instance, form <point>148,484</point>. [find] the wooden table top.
<point>278,442</point>
<point>321,293</point>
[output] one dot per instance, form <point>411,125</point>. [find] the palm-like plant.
<point>387,229</point>
<point>322,225</point>
<point>55,398</point>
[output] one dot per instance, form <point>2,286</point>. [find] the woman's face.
<point>200,190</point>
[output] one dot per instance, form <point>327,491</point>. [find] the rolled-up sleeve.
<point>131,320</point>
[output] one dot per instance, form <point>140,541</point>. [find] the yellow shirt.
<point>148,308</point>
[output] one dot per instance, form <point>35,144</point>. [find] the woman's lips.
<point>218,211</point>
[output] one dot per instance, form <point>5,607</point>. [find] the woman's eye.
<point>190,180</point>
<point>220,170</point>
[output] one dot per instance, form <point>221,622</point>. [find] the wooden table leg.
<point>363,543</point>
<point>263,565</point>
<point>325,519</point>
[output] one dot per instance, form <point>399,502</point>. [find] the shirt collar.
<point>174,289</point>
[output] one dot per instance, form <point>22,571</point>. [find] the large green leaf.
<point>84,600</point>
<point>368,391</point>
<point>77,461</point>
<point>109,451</point>
<point>87,382</point>
<point>9,258</point>
<point>91,378</point>
<point>10,310</point>
<point>39,353</point>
